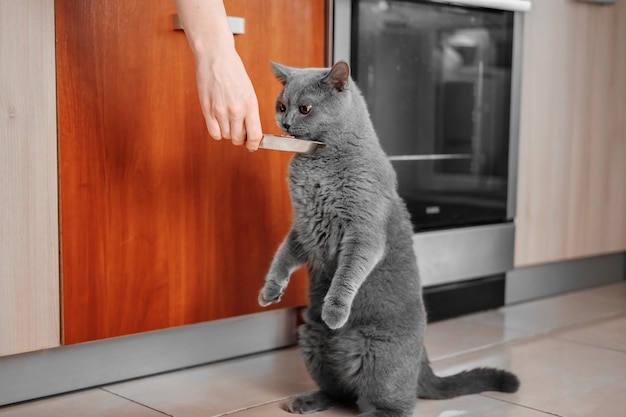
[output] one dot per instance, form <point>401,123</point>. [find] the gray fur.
<point>364,327</point>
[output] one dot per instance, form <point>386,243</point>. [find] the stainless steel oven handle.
<point>431,157</point>
<point>513,5</point>
<point>237,24</point>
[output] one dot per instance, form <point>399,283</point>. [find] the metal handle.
<point>512,5</point>
<point>431,157</point>
<point>237,24</point>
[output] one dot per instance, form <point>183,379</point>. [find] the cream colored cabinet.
<point>29,252</point>
<point>572,172</point>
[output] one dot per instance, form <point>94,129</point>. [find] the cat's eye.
<point>305,109</point>
<point>282,108</point>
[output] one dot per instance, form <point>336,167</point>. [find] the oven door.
<point>437,81</point>
<point>442,82</point>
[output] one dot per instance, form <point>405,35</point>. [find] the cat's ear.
<point>339,76</point>
<point>281,72</point>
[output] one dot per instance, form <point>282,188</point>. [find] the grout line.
<point>589,344</point>
<point>558,333</point>
<point>136,402</point>
<point>520,405</point>
<point>530,337</point>
<point>252,406</point>
<point>529,333</point>
<point>471,350</point>
<point>512,342</point>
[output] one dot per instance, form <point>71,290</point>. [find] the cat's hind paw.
<point>311,403</point>
<point>334,313</point>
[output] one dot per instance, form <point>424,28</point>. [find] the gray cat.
<point>364,329</point>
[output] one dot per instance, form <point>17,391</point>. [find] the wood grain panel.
<point>29,265</point>
<point>572,173</point>
<point>161,225</point>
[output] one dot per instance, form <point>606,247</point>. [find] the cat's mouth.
<point>295,135</point>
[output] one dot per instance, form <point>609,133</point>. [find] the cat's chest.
<point>316,188</point>
<point>319,201</point>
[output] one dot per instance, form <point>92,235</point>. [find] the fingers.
<point>254,131</point>
<point>221,126</point>
<point>213,127</point>
<point>240,130</point>
<point>237,131</point>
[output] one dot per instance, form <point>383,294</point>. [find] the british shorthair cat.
<point>363,332</point>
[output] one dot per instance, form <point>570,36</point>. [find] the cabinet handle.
<point>237,24</point>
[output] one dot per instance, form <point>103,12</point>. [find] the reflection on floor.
<point>569,352</point>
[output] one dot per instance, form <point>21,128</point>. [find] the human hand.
<point>228,100</point>
<point>227,97</point>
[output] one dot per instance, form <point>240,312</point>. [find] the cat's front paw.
<point>335,313</point>
<point>270,294</point>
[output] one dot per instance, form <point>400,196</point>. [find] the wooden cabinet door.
<point>162,226</point>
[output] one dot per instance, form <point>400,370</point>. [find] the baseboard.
<point>528,283</point>
<point>54,371</point>
<point>464,297</point>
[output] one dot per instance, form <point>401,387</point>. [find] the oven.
<point>442,84</point>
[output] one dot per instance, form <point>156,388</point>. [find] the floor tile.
<point>472,406</point>
<point>542,316</point>
<point>457,336</point>
<point>610,334</point>
<point>612,293</point>
<point>468,406</point>
<point>277,409</point>
<point>557,376</point>
<point>223,387</point>
<point>92,403</point>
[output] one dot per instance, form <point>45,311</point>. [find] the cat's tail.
<point>473,381</point>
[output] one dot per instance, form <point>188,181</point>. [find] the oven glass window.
<point>437,81</point>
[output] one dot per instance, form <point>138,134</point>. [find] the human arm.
<point>227,97</point>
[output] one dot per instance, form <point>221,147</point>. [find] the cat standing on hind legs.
<point>364,329</point>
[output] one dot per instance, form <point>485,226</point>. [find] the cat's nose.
<point>286,126</point>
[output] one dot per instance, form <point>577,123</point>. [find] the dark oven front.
<point>441,81</point>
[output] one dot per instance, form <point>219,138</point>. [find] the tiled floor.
<point>569,352</point>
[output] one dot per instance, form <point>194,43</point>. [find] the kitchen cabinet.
<point>162,226</point>
<point>29,267</point>
<point>572,172</point>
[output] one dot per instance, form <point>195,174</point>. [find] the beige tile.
<point>555,313</point>
<point>472,406</point>
<point>222,387</point>
<point>612,293</point>
<point>610,334</point>
<point>453,337</point>
<point>557,376</point>
<point>469,406</point>
<point>84,404</point>
<point>277,409</point>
